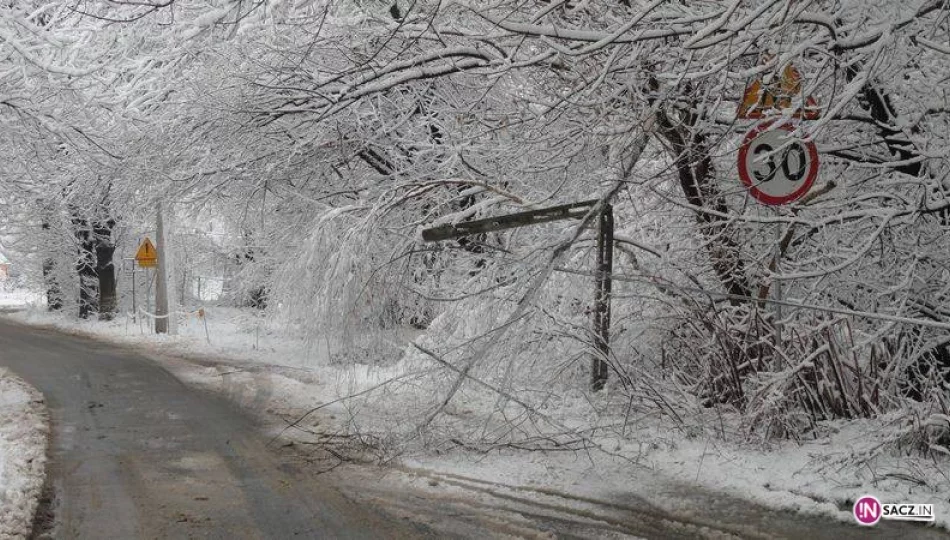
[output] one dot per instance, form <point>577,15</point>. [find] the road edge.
<point>33,421</point>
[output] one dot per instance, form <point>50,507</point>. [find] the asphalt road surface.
<point>135,453</point>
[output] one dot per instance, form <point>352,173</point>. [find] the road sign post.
<point>777,166</point>
<point>777,288</point>
<point>149,286</point>
<point>146,257</point>
<point>135,307</point>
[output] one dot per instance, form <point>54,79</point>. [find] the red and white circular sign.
<point>775,165</point>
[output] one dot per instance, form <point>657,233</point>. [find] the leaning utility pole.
<point>599,368</point>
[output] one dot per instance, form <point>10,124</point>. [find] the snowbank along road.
<point>23,437</point>
<point>137,454</point>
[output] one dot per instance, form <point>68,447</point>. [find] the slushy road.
<point>137,454</point>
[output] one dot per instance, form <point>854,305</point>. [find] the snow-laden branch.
<point>932,45</point>
<point>44,64</point>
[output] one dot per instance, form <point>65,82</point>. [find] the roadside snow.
<point>23,440</point>
<point>18,298</point>
<point>235,352</point>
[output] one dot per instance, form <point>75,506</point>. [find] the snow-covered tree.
<point>327,135</point>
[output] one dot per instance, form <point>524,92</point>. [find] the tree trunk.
<point>105,268</point>
<point>694,169</point>
<point>86,268</point>
<point>54,294</point>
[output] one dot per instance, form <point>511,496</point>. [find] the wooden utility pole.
<point>605,269</point>
<point>165,308</point>
<point>605,250</point>
<point>161,285</point>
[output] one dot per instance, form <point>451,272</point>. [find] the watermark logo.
<point>868,510</point>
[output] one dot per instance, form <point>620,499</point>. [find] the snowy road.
<point>138,454</point>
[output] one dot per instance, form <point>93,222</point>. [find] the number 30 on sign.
<point>776,166</point>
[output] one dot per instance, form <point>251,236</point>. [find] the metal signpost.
<point>605,246</point>
<point>129,270</point>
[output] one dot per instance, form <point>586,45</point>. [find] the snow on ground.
<point>18,298</point>
<point>237,353</point>
<point>23,439</point>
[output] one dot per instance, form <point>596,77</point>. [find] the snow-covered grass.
<point>240,354</point>
<point>23,439</point>
<point>18,298</point>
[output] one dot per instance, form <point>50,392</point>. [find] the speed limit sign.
<point>775,165</point>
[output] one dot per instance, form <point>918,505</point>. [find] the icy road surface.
<point>138,454</point>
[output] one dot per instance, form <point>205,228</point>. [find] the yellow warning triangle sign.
<point>147,256</point>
